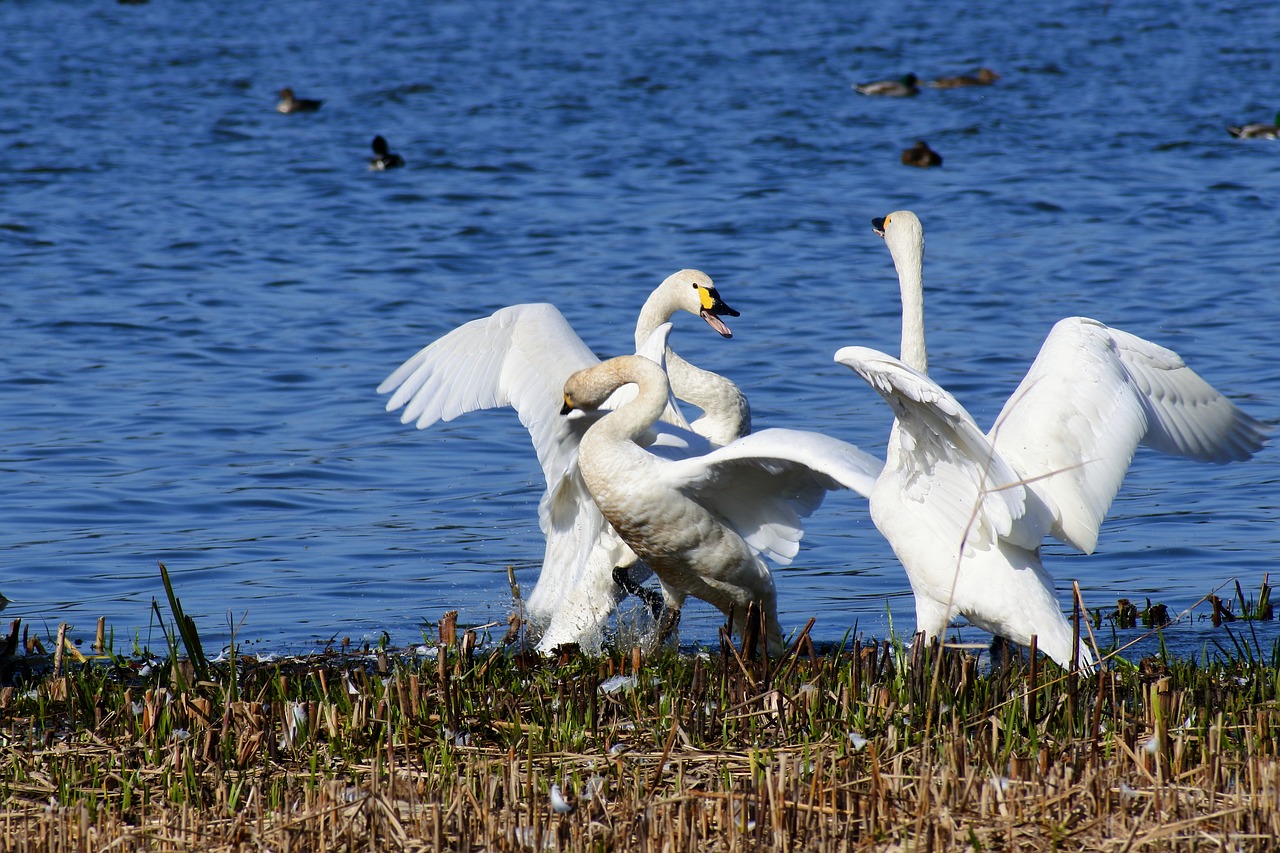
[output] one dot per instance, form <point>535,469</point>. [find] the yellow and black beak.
<point>568,405</point>
<point>878,224</point>
<point>713,308</point>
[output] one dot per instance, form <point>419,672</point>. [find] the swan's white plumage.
<point>704,524</point>
<point>520,357</point>
<point>966,512</point>
<point>1090,398</point>
<point>764,483</point>
<point>517,357</point>
<point>945,460</point>
<point>961,521</point>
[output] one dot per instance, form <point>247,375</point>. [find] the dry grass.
<point>457,748</point>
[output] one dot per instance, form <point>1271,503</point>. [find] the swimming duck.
<point>383,159</point>
<point>921,156</point>
<point>290,104</point>
<point>1257,130</point>
<point>985,77</point>
<point>903,87</point>
<point>966,512</point>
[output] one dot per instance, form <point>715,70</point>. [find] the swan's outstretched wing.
<point>518,357</point>
<point>962,489</point>
<point>1090,398</point>
<point>764,483</point>
<point>575,592</point>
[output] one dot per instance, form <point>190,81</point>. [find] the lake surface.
<point>200,295</point>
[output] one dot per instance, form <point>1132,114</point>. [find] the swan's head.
<point>693,291</point>
<point>589,388</point>
<point>580,397</point>
<point>586,390</point>
<point>902,233</point>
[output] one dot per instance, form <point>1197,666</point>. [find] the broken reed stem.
<point>59,650</point>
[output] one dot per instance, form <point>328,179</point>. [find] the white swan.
<point>704,523</point>
<point>520,357</point>
<point>966,512</point>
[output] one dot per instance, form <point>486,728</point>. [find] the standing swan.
<point>705,523</point>
<point>520,357</point>
<point>966,512</point>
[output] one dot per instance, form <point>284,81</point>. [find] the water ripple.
<point>201,294</point>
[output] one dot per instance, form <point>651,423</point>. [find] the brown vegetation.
<point>450,747</point>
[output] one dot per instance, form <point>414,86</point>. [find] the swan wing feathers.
<point>943,464</point>
<point>1186,415</point>
<point>480,365</point>
<point>1090,398</point>
<point>519,356</point>
<point>569,511</point>
<point>763,484</point>
<point>674,444</point>
<point>575,591</point>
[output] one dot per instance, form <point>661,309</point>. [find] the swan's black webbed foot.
<point>667,625</point>
<point>1004,653</point>
<point>652,598</point>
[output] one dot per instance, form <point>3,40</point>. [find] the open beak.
<point>877,225</point>
<point>715,310</point>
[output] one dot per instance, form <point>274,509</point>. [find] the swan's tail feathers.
<point>577,599</point>
<point>1087,663</point>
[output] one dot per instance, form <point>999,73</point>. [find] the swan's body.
<point>520,357</point>
<point>705,523</point>
<point>383,157</point>
<point>903,87</point>
<point>966,512</point>
<point>1257,130</point>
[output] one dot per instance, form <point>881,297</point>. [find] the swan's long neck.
<point>659,308</point>
<point>633,419</point>
<point>909,262</point>
<point>726,414</point>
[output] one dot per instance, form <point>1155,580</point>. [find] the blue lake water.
<point>200,295</point>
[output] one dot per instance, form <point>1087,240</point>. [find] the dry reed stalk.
<point>726,753</point>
